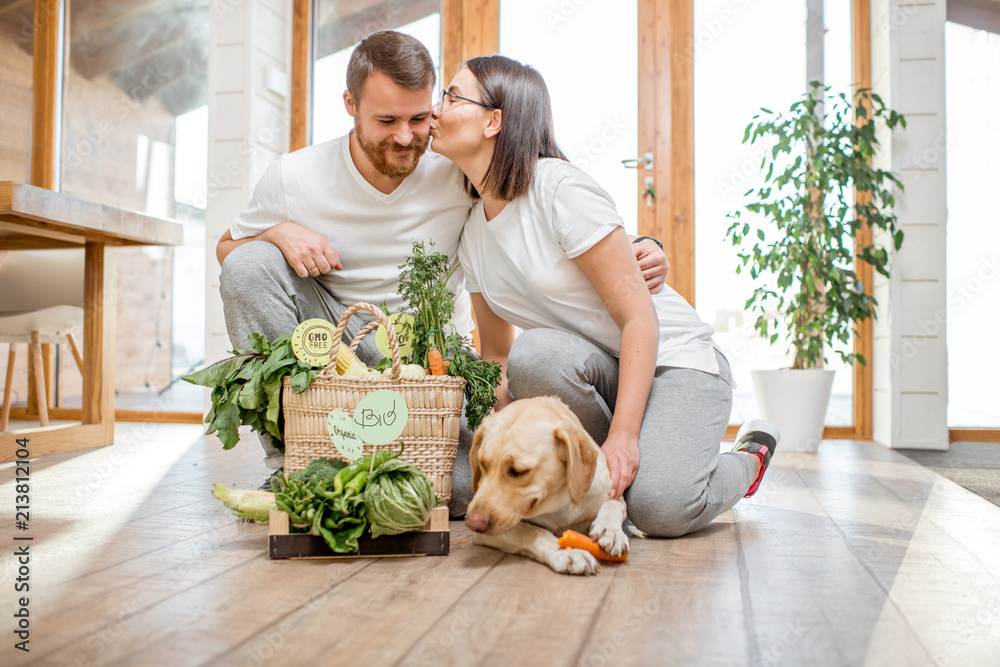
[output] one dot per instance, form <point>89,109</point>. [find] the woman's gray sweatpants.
<point>262,294</point>
<point>683,482</point>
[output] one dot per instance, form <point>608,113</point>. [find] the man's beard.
<point>378,154</point>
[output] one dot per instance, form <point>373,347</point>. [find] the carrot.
<point>435,361</point>
<point>573,540</point>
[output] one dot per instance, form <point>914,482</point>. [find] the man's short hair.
<point>400,57</point>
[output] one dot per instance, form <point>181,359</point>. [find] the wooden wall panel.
<point>666,128</point>
<point>865,334</point>
<point>469,28</point>
<point>45,86</point>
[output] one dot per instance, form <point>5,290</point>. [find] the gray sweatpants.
<point>683,482</point>
<point>262,294</point>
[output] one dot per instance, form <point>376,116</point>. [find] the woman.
<point>544,250</point>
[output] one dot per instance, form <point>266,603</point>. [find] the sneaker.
<point>266,486</point>
<point>760,438</point>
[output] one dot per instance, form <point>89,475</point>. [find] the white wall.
<point>910,356</point>
<point>249,74</point>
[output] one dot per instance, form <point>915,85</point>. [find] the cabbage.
<point>398,498</point>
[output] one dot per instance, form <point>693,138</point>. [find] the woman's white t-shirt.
<point>320,188</point>
<point>522,264</point>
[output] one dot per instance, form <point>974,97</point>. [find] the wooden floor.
<point>853,556</point>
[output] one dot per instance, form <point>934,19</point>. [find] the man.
<point>330,224</point>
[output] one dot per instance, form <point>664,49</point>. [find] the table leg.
<point>99,304</point>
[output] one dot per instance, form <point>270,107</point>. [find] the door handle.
<point>633,162</point>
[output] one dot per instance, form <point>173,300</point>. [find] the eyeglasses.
<point>451,97</point>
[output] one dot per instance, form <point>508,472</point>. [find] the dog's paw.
<point>572,561</point>
<point>612,538</point>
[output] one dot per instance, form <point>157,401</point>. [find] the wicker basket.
<point>434,403</point>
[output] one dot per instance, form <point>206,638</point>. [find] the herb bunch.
<point>423,282</point>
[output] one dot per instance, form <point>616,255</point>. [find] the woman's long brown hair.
<point>526,132</point>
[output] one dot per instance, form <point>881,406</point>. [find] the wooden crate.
<point>434,540</point>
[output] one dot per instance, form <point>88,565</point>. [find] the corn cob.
<point>344,359</point>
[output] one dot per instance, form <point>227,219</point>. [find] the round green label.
<point>340,426</point>
<point>380,417</point>
<point>312,341</point>
<point>402,324</point>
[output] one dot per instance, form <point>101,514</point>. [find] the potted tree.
<point>796,237</point>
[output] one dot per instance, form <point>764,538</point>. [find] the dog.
<point>535,473</point>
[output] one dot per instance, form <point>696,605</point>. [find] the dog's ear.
<point>477,471</point>
<point>581,458</point>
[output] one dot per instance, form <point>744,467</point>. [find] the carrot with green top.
<point>435,361</point>
<point>573,540</point>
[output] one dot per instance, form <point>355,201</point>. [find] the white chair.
<point>41,301</point>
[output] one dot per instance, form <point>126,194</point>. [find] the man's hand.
<point>308,253</point>
<point>652,263</point>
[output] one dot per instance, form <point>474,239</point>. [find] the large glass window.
<point>736,73</point>
<point>338,26</point>
<point>16,28</point>
<point>589,58</point>
<point>973,167</point>
<point>134,136</point>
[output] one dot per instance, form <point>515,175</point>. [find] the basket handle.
<point>331,368</point>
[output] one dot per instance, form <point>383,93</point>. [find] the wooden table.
<point>33,218</point>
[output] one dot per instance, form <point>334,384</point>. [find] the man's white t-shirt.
<point>522,264</point>
<point>320,188</point>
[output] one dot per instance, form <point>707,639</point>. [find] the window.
<point>134,136</point>
<point>973,260</point>
<point>337,29</point>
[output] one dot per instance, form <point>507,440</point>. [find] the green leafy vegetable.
<point>246,388</point>
<point>398,498</point>
<point>320,471</point>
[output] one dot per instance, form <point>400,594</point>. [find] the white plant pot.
<point>795,401</point>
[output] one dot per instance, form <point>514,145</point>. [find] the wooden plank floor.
<point>852,556</point>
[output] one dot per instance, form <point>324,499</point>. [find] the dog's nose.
<point>478,523</point>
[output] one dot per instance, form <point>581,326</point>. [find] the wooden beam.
<point>469,28</point>
<point>865,332</point>
<point>973,435</point>
<point>150,416</point>
<point>829,433</point>
<point>301,74</point>
<point>51,440</point>
<point>337,32</point>
<point>666,117</point>
<point>47,92</point>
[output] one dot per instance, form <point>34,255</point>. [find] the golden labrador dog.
<point>535,473</point>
